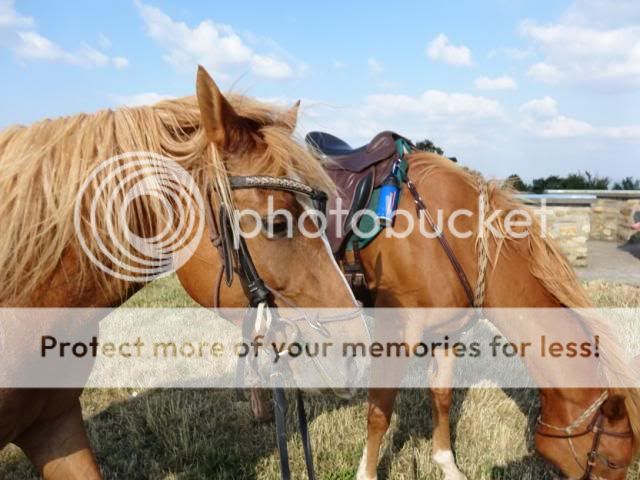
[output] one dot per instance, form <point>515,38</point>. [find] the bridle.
<point>594,427</point>
<point>236,260</point>
<point>234,252</point>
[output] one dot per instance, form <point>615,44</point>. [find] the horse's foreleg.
<point>59,447</point>
<point>381,401</point>
<point>261,404</point>
<point>441,396</point>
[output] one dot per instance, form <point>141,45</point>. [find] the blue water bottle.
<point>388,201</point>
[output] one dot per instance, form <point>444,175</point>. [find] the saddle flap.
<point>361,198</point>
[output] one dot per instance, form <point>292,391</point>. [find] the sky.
<point>507,86</point>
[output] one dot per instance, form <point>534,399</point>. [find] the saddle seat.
<point>344,157</point>
<point>356,173</point>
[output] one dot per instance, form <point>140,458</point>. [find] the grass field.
<point>192,434</point>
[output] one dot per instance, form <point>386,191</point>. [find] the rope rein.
<point>483,249</point>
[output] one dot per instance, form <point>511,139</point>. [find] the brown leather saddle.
<point>356,173</point>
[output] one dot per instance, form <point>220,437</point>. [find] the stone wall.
<point>612,213</point>
<point>628,216</point>
<point>605,219</point>
<point>568,219</point>
<point>570,226</point>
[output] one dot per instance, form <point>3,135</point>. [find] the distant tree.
<point>539,185</point>
<point>627,183</point>
<point>515,182</point>
<point>576,181</point>
<point>594,182</point>
<point>427,145</point>
<point>573,181</point>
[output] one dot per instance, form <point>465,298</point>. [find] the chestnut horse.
<point>527,271</point>
<point>43,265</point>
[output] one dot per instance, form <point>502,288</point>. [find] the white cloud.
<point>32,46</point>
<point>120,62</point>
<point>104,41</point>
<point>216,46</point>
<point>511,52</point>
<point>580,50</point>
<point>340,65</point>
<point>496,83</point>
<point>374,65</point>
<point>542,118</point>
<point>624,132</point>
<point>603,13</point>
<point>540,107</point>
<point>436,103</point>
<point>145,98</point>
<point>269,67</point>
<point>545,73</point>
<point>455,120</point>
<point>19,36</point>
<point>9,18</point>
<point>441,50</point>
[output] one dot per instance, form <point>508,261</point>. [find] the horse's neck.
<point>69,287</point>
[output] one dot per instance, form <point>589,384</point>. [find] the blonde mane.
<point>549,266</point>
<point>44,165</point>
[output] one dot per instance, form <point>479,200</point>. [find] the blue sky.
<point>516,86</point>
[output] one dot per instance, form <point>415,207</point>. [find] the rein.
<point>421,208</point>
<point>594,427</point>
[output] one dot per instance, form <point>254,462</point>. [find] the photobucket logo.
<point>137,216</point>
<point>460,223</point>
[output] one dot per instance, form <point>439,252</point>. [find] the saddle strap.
<point>422,207</point>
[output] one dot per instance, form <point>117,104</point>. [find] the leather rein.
<point>593,427</point>
<point>421,208</point>
<point>237,260</point>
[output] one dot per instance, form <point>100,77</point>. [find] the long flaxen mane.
<point>44,165</point>
<point>545,262</point>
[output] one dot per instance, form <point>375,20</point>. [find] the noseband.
<point>594,427</point>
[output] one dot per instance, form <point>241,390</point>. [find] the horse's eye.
<point>277,227</point>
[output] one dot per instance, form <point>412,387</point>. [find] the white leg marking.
<point>362,468</point>
<point>447,462</point>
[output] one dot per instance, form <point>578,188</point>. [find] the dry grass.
<point>192,434</point>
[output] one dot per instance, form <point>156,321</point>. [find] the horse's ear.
<point>218,116</point>
<point>291,116</point>
<point>614,409</point>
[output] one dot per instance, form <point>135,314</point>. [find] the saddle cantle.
<point>381,147</point>
<point>356,173</point>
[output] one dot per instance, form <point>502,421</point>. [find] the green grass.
<point>193,434</point>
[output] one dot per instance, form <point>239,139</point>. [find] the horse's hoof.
<point>447,463</point>
<point>362,468</point>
